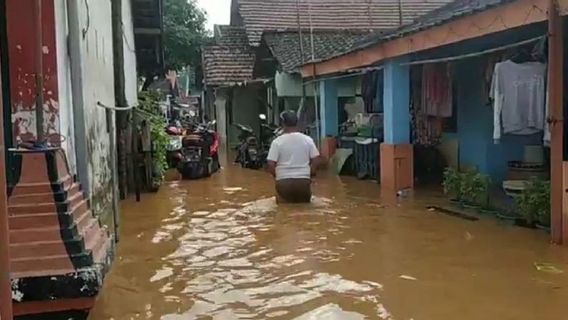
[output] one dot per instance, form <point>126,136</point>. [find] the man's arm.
<point>271,168</point>
<point>272,159</point>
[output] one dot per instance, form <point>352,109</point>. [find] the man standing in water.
<point>292,160</point>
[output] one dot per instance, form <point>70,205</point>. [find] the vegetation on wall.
<point>149,106</point>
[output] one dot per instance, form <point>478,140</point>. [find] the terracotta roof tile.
<point>230,60</point>
<point>451,11</point>
<point>363,15</point>
<point>284,46</point>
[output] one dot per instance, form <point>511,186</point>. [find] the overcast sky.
<point>218,11</point>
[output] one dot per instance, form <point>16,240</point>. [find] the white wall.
<point>245,109</point>
<point>93,81</point>
<point>64,84</point>
<point>290,85</point>
<point>130,75</point>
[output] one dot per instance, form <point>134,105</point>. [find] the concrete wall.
<point>64,83</point>
<point>93,82</point>
<point>130,72</point>
<point>290,85</point>
<point>475,126</point>
<point>245,110</point>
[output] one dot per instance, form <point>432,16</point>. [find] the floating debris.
<point>405,277</point>
<point>547,267</point>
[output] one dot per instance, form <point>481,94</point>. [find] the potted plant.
<point>542,203</point>
<point>484,196</point>
<point>525,205</point>
<point>468,188</point>
<point>533,203</point>
<point>452,183</point>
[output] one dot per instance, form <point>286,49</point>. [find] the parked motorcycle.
<point>175,134</point>
<point>248,148</point>
<point>268,132</point>
<point>200,152</point>
<point>252,151</point>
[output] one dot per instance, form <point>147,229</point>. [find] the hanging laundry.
<point>518,91</point>
<point>490,63</point>
<point>437,90</point>
<point>369,88</point>
<point>426,129</point>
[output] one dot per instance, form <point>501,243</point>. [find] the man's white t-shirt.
<point>292,153</point>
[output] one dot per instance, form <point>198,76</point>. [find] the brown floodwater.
<point>222,249</point>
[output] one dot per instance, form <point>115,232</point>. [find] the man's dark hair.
<point>289,118</point>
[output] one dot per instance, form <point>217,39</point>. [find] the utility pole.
<point>5,285</point>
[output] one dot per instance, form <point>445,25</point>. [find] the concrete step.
<point>47,248</point>
<point>29,208</point>
<point>45,197</point>
<point>46,264</point>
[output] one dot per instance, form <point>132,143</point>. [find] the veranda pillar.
<point>397,171</point>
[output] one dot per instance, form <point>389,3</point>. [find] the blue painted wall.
<point>475,126</point>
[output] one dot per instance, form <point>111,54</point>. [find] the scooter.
<point>248,148</point>
<point>175,135</point>
<point>200,152</point>
<point>268,132</point>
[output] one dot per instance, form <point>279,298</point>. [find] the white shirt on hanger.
<point>519,94</point>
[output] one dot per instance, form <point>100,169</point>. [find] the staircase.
<point>58,249</point>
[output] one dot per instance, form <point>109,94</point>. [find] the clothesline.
<point>352,73</point>
<point>476,54</point>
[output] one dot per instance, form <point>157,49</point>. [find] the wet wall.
<point>92,77</point>
<point>245,108</point>
<point>475,125</point>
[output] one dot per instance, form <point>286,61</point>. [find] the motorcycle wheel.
<point>216,165</point>
<point>191,171</point>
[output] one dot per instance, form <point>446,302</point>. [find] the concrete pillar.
<point>221,115</point>
<point>328,108</point>
<point>396,103</point>
<point>397,172</point>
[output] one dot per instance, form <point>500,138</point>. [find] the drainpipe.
<point>5,286</point>
<point>39,70</point>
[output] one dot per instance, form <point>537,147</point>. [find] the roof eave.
<point>513,14</point>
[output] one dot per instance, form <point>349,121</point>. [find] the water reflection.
<point>208,250</point>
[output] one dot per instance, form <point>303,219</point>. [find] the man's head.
<point>289,119</point>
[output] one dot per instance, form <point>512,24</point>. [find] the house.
<point>61,174</point>
<point>254,65</point>
<point>469,38</point>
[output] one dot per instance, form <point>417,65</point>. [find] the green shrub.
<point>452,182</point>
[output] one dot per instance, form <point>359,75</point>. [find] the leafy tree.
<point>184,33</point>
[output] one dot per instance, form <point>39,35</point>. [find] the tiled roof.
<point>230,61</point>
<point>230,36</point>
<point>285,45</point>
<point>362,15</point>
<point>451,11</point>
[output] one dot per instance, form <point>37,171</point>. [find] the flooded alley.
<point>222,249</point>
